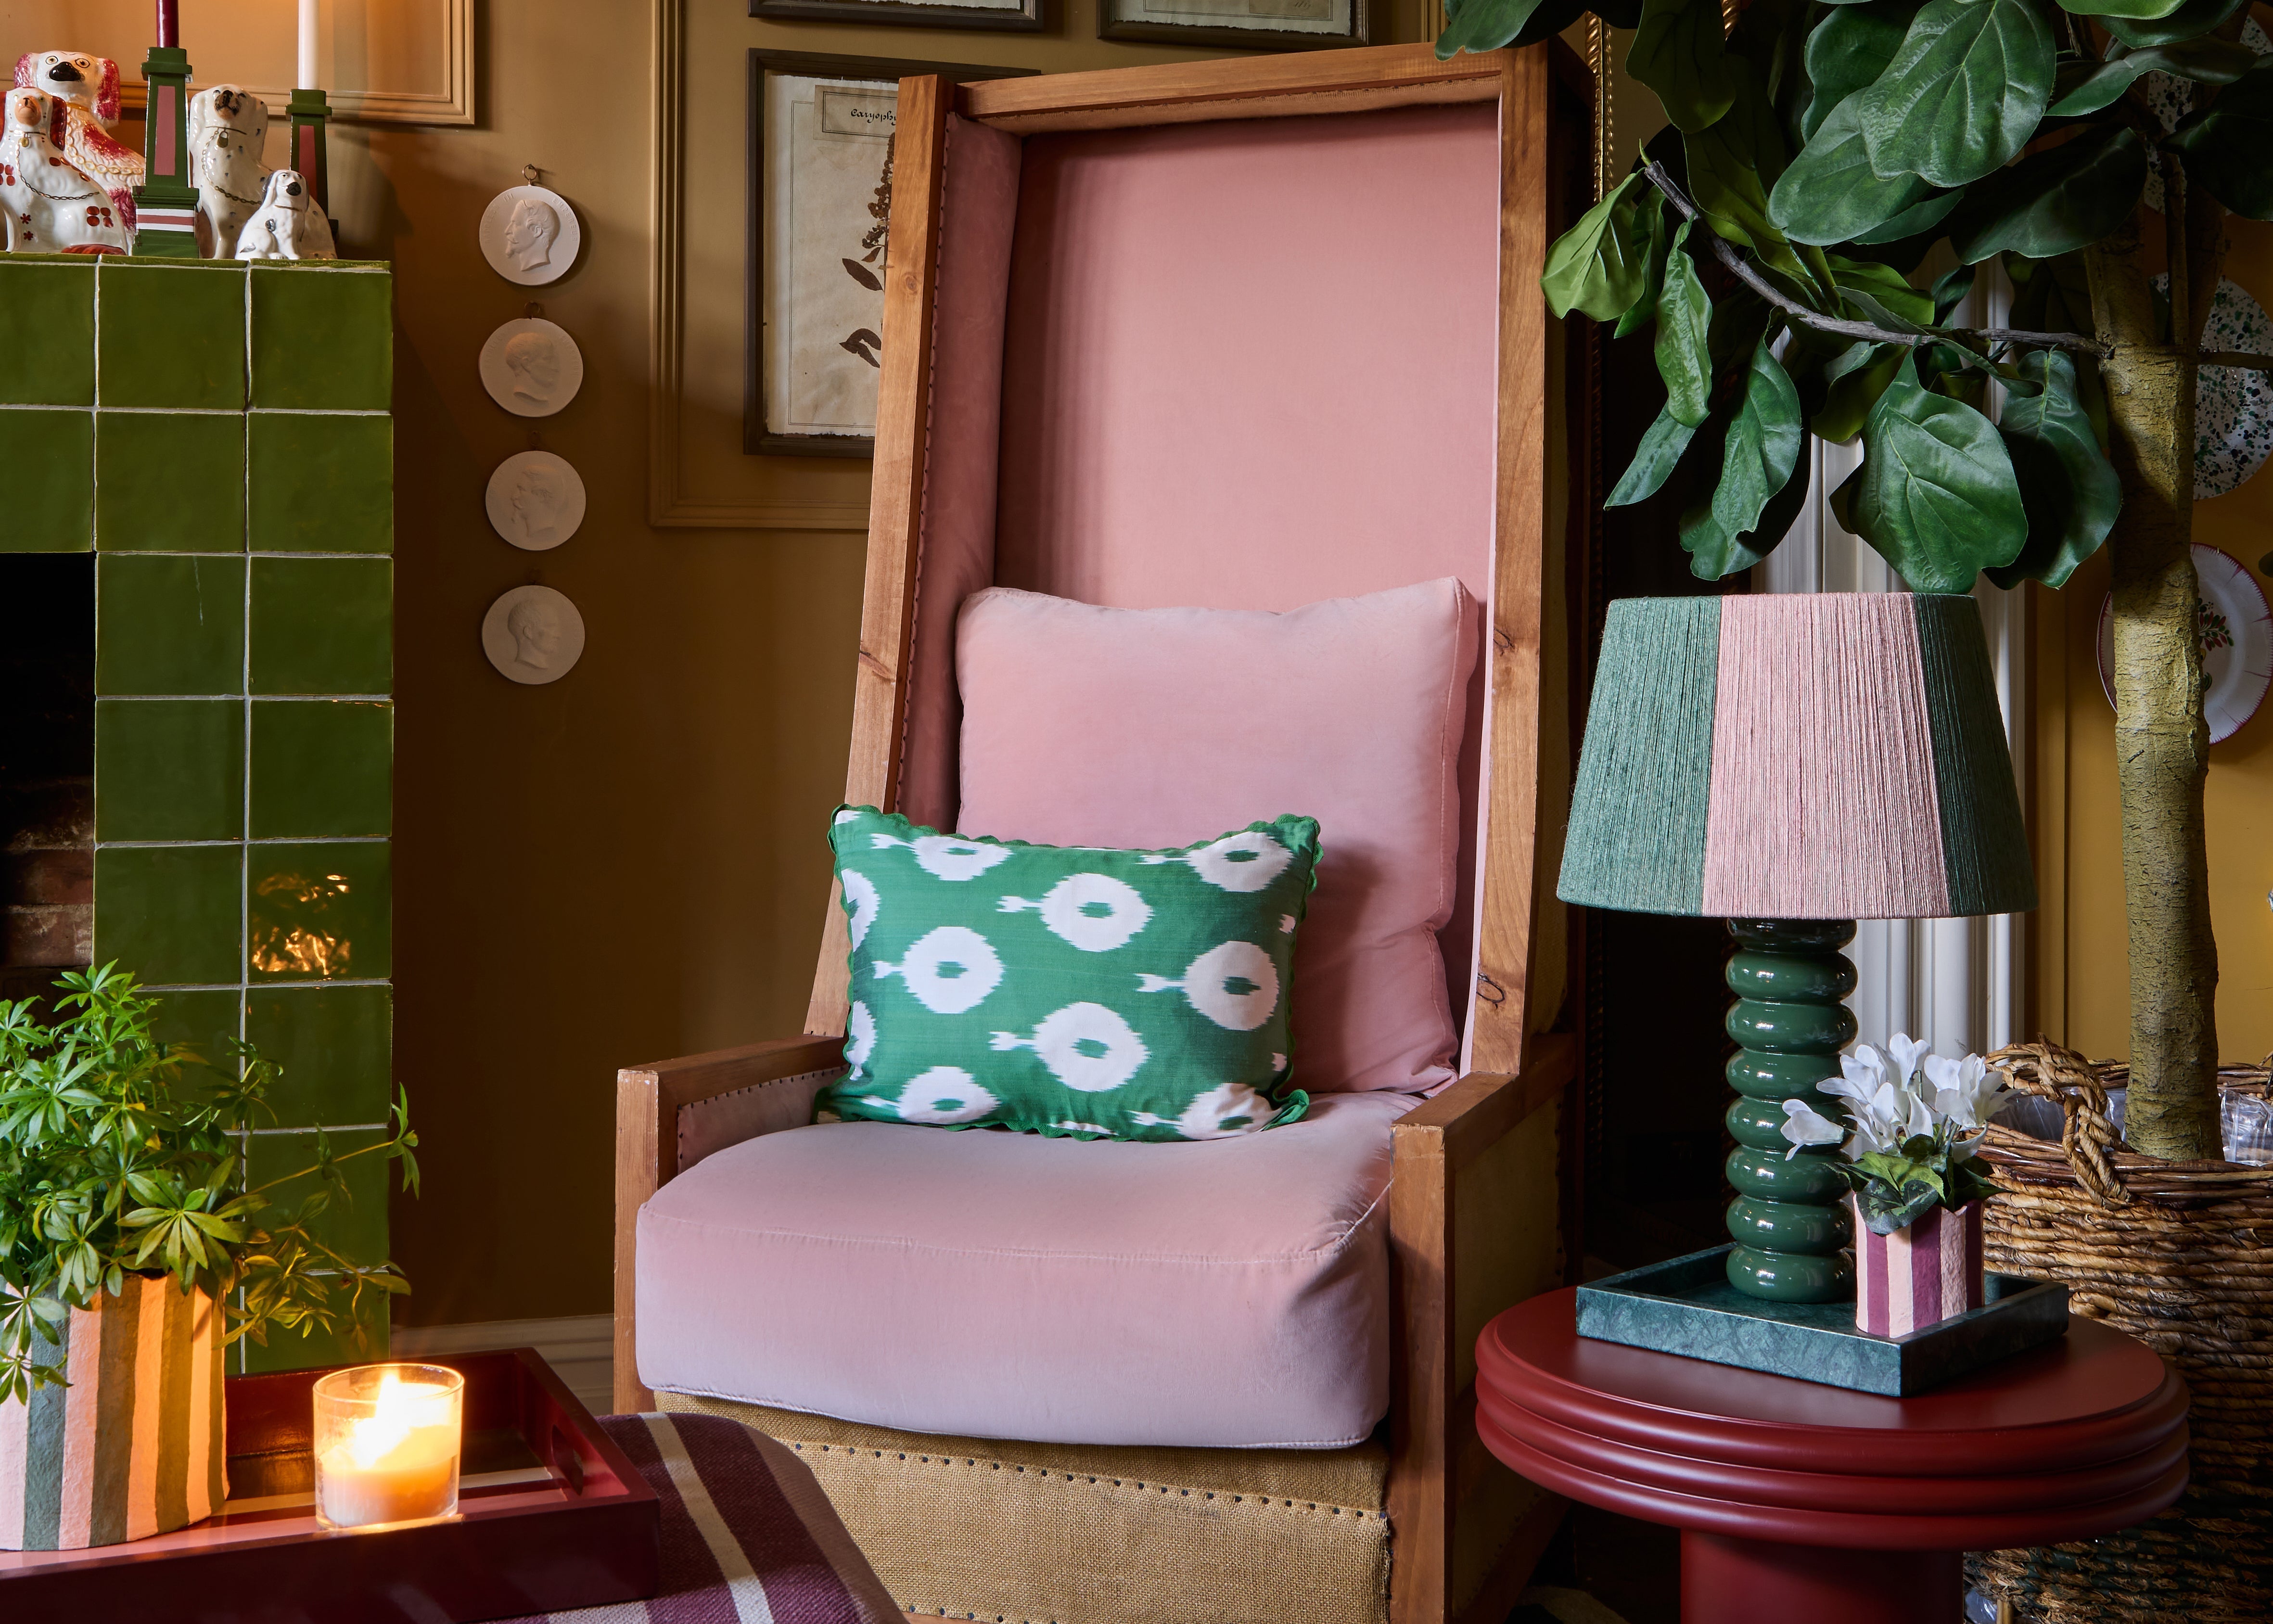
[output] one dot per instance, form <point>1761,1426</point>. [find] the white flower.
<point>1861,1074</point>
<point>1907,1053</point>
<point>1966,1094</point>
<point>1804,1126</point>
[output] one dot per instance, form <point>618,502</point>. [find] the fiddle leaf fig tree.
<point>1772,238</point>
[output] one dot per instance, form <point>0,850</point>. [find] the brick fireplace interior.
<point>47,768</point>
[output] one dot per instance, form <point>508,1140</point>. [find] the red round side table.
<point>1803,1504</point>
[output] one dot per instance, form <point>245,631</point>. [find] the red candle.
<point>169,24</point>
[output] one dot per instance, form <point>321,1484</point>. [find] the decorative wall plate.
<point>531,367</point>
<point>533,635</point>
<point>2237,643</point>
<point>2233,406</point>
<point>529,235</point>
<point>536,500</point>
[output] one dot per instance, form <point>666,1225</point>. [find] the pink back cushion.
<point>1084,725</point>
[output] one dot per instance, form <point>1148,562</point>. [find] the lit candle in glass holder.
<point>388,1439</point>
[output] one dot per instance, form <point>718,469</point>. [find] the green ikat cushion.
<point>1070,989</point>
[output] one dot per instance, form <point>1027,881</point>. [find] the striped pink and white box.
<point>133,1447</point>
<point>1920,1275</point>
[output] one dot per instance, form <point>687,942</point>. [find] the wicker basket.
<point>2181,1255</point>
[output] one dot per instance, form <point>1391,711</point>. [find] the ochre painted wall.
<point>2081,967</point>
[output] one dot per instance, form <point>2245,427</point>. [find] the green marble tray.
<point>1687,1306</point>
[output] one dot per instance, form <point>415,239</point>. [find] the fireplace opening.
<point>47,768</point>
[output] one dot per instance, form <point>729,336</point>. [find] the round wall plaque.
<point>529,235</point>
<point>536,500</point>
<point>533,635</point>
<point>531,367</point>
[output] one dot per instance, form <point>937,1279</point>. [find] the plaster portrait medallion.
<point>529,235</point>
<point>536,500</point>
<point>531,367</point>
<point>533,635</point>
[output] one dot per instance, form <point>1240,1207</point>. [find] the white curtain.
<point>1955,981</point>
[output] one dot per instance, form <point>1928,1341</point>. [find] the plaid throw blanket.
<point>748,1537</point>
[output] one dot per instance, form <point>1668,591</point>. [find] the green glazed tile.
<point>354,1224</point>
<point>168,625</point>
<point>168,769</point>
<point>323,338</point>
<point>290,1350</point>
<point>206,1021</point>
<point>171,333</point>
<point>335,1045</point>
<point>170,482</point>
<point>170,914</point>
<point>322,483</point>
<point>321,912</point>
<point>47,332</point>
<point>322,767</point>
<point>51,463</point>
<point>322,626</point>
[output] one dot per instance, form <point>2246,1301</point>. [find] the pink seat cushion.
<point>1158,727</point>
<point>1228,1293</point>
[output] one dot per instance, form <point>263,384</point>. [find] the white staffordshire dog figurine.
<point>86,88</point>
<point>288,225</point>
<point>228,126</point>
<point>54,206</point>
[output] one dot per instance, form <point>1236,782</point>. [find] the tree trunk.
<point>2162,742</point>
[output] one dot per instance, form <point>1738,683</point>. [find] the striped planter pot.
<point>1919,1276</point>
<point>133,1446</point>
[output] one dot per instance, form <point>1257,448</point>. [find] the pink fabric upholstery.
<point>978,207</point>
<point>1158,728</point>
<point>1229,1293</point>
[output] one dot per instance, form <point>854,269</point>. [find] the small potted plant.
<point>1908,1126</point>
<point>131,1254</point>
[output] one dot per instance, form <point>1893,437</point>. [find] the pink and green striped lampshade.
<point>1802,755</point>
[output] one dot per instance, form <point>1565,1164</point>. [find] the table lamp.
<point>1794,763</point>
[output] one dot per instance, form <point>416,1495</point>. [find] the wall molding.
<point>451,104</point>
<point>668,505</point>
<point>580,1348</point>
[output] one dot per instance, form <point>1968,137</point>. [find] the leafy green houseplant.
<point>1772,238</point>
<point>123,1157</point>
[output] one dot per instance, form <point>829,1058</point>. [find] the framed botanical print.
<point>1236,25</point>
<point>1012,16</point>
<point>820,210</point>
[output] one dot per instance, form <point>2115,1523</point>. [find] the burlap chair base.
<point>972,1528</point>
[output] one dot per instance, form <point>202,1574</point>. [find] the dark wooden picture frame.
<point>1220,37</point>
<point>1030,16</point>
<point>756,440</point>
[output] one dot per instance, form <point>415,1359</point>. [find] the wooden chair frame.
<point>667,1114</point>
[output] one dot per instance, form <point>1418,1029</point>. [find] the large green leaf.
<point>2053,202</point>
<point>2191,20</point>
<point>2069,490</point>
<point>2228,145</point>
<point>1914,222</point>
<point>1830,194</point>
<point>1888,290</point>
<point>1685,316</point>
<point>1643,310</point>
<point>1936,495</point>
<point>1680,52</point>
<point>1853,383</point>
<point>1601,264</point>
<point>1487,25</point>
<point>1662,445</point>
<point>1850,48</point>
<point>2050,296</point>
<point>1758,454</point>
<point>1963,95</point>
<point>1731,168</point>
<point>2205,61</point>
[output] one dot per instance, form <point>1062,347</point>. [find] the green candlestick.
<point>166,204</point>
<point>1790,1218</point>
<point>310,113</point>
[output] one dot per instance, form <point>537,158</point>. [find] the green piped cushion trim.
<point>1985,845</point>
<point>1636,839</point>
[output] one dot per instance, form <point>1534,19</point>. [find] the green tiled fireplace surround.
<point>219,435</point>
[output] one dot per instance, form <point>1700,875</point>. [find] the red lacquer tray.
<point>551,1516</point>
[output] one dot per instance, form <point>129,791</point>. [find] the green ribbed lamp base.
<point>1790,1218</point>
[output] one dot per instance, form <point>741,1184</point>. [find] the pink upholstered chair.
<point>1245,334</point>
